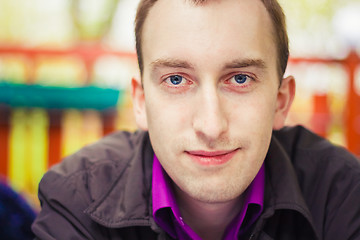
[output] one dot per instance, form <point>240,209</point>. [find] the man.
<point>208,164</point>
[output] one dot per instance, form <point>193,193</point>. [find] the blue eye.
<point>241,78</point>
<point>176,79</point>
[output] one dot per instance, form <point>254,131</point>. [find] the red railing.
<point>352,106</point>
<point>89,54</point>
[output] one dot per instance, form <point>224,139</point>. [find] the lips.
<point>211,158</point>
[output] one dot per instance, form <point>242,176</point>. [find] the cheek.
<point>258,109</point>
<point>253,120</point>
<point>167,126</point>
<point>164,113</point>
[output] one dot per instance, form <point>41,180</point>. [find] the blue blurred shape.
<point>16,216</point>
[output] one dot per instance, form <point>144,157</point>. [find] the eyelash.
<point>230,81</point>
<point>242,75</point>
<point>168,81</point>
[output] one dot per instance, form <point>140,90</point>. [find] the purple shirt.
<point>167,214</point>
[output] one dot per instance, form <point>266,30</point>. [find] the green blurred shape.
<point>93,18</point>
<point>88,97</point>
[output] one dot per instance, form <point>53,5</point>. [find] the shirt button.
<point>181,221</point>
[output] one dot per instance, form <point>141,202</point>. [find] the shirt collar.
<point>164,199</point>
<point>252,208</point>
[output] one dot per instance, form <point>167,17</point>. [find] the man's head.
<point>272,6</point>
<point>210,94</point>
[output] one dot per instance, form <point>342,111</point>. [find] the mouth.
<point>211,158</point>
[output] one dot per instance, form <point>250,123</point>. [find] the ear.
<point>138,98</point>
<point>285,97</point>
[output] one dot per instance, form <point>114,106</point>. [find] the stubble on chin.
<point>219,188</point>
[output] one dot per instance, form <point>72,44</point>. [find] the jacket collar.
<point>282,189</point>
<point>129,202</point>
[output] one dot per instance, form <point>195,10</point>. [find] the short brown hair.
<point>272,6</point>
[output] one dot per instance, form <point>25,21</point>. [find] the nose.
<point>210,120</point>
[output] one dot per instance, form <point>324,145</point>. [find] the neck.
<point>208,220</point>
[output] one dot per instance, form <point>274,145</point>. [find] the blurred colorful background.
<point>66,66</point>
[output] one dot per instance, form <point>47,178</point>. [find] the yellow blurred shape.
<point>28,149</point>
<point>60,71</point>
<point>13,69</point>
<point>92,127</point>
<point>71,131</point>
<point>38,139</point>
<point>19,150</point>
<point>79,129</point>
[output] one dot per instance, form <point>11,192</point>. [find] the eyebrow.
<point>171,63</point>
<point>243,63</point>
<point>237,63</point>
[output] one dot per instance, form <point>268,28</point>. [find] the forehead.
<point>234,28</point>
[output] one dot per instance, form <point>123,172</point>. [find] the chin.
<point>220,194</point>
<point>216,197</point>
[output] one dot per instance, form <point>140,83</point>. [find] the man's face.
<point>211,94</point>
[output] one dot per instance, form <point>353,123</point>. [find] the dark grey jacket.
<point>104,191</point>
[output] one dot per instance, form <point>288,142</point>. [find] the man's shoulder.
<point>113,149</point>
<point>299,141</point>
<point>93,170</point>
<point>328,177</point>
<point>95,185</point>
<point>312,155</point>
